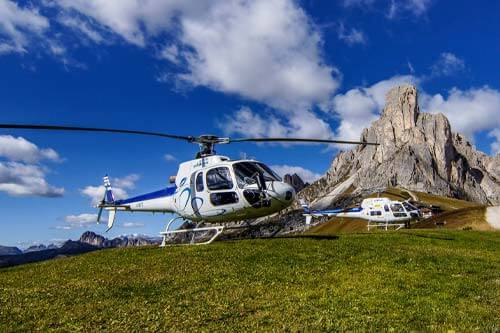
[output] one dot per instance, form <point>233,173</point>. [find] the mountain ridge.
<point>418,151</point>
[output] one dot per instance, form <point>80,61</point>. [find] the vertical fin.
<point>109,198</point>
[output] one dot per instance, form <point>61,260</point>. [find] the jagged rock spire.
<point>417,151</point>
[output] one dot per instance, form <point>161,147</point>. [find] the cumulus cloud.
<point>282,47</point>
<point>135,21</point>
<point>119,186</point>
<point>469,111</point>
<point>18,25</point>
<point>21,173</point>
<point>303,125</point>
<point>212,41</point>
<point>21,150</point>
<point>351,36</point>
<point>20,179</point>
<point>447,64</point>
<point>78,221</point>
<point>307,175</point>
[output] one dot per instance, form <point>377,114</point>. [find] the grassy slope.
<point>464,218</point>
<point>402,280</point>
<point>465,214</point>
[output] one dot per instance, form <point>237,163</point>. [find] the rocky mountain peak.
<point>417,151</point>
<point>297,183</point>
<point>401,108</point>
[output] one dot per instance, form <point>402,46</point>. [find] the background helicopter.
<point>383,211</point>
<point>211,188</point>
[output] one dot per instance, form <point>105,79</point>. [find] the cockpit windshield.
<point>248,172</point>
<point>397,208</point>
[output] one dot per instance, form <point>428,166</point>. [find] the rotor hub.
<point>207,144</point>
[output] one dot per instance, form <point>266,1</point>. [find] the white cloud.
<point>82,26</point>
<point>21,150</point>
<point>351,36</point>
<point>169,158</point>
<point>127,182</point>
<point>495,145</point>
<point>133,225</point>
<point>277,62</point>
<point>358,107</point>
<point>469,111</point>
<point>21,174</point>
<point>17,25</point>
<point>20,179</point>
<point>246,123</point>
<point>307,176</point>
<point>135,21</point>
<point>78,221</point>
<point>82,218</point>
<point>447,64</point>
<point>119,186</point>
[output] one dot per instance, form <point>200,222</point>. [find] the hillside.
<point>411,280</point>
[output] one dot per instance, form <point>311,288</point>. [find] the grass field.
<point>409,280</point>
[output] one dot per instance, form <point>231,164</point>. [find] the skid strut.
<point>218,230</point>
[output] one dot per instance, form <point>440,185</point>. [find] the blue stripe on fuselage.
<point>166,192</point>
<point>337,211</point>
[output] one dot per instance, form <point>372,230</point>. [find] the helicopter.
<point>211,188</point>
<point>383,211</point>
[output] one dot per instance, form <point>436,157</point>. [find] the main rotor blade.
<point>91,129</point>
<point>303,140</point>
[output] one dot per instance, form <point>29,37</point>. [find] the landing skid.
<point>385,225</point>
<point>217,232</point>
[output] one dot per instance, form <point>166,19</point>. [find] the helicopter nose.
<point>286,192</point>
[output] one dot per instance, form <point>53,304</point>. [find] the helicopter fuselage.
<point>214,189</point>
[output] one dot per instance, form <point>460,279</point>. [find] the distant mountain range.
<point>89,241</point>
<point>9,251</point>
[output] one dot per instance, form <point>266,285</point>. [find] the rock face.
<point>296,182</point>
<point>99,241</point>
<point>417,151</point>
<point>40,247</point>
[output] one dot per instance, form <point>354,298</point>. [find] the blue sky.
<point>240,68</point>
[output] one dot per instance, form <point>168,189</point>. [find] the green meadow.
<point>435,280</point>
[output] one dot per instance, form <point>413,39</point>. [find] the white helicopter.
<point>384,212</point>
<point>211,188</point>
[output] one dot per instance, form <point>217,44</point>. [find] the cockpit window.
<point>409,207</point>
<point>219,179</point>
<point>199,182</point>
<point>248,172</point>
<point>397,208</point>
